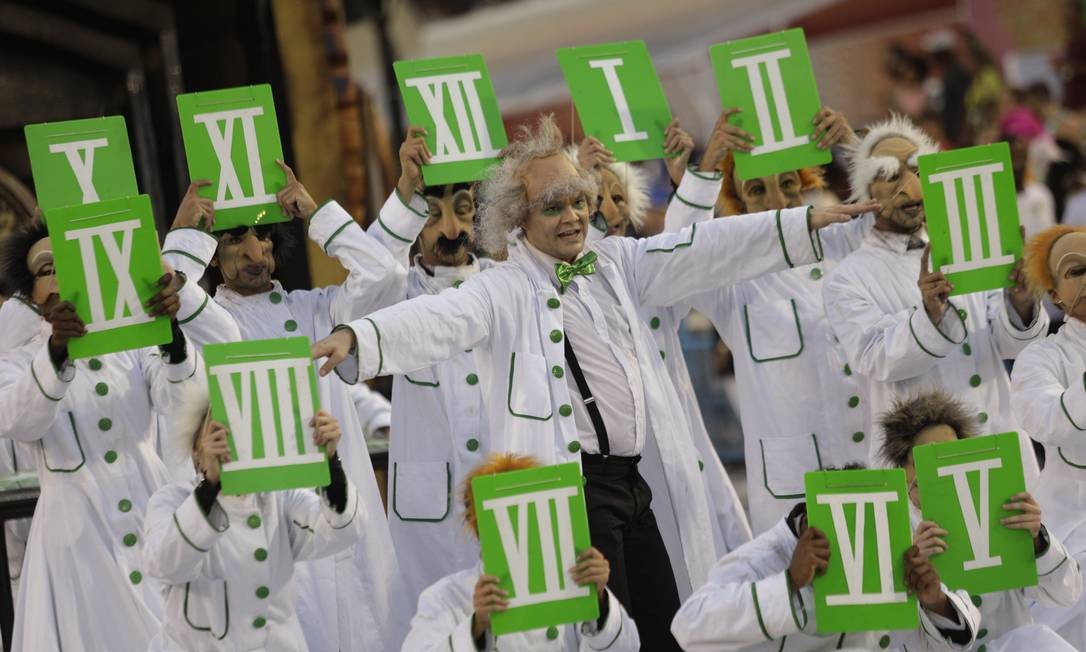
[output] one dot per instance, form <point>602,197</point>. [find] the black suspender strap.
<point>589,400</point>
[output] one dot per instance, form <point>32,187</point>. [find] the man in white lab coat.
<point>1049,399</point>
<point>894,317</point>
<point>439,425</point>
<point>454,613</point>
<point>608,390</point>
<point>936,417</point>
<point>795,388</point>
<point>353,602</point>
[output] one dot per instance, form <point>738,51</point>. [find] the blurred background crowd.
<point>968,71</point>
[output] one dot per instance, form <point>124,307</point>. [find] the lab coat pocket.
<point>784,462</point>
<point>207,607</point>
<point>423,377</point>
<point>773,330</point>
<point>63,453</point>
<point>529,395</point>
<point>421,491</point>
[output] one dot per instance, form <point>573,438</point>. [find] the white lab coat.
<point>1049,398</point>
<point>443,623</point>
<point>439,428</point>
<point>353,601</point>
<point>92,426</point>
<point>794,384</point>
<point>878,315</point>
<point>217,587</point>
<point>747,605</point>
<point>511,315</point>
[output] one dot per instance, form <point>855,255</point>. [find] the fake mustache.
<point>446,246</point>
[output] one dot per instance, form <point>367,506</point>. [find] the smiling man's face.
<point>558,207</point>
<point>899,194</point>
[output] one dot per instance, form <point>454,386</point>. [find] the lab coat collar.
<point>225,294</point>
<point>895,242</point>
<point>442,277</point>
<point>1074,330</point>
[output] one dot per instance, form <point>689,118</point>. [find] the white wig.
<point>863,168</point>
<point>503,205</point>
<point>634,179</point>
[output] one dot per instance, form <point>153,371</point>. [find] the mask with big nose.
<point>1067,262</point>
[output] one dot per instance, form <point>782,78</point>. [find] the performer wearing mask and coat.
<point>555,318</point>
<point>91,424</point>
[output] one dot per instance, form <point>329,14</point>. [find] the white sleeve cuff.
<point>699,190</point>
<point>200,531</point>
<point>1010,319</point>
<point>402,221</point>
<point>190,251</point>
<point>799,244</point>
<point>937,341</point>
<point>775,606</point>
<point>461,641</point>
<point>53,385</point>
<point>354,509</point>
<point>603,639</point>
<point>182,371</point>
<point>328,222</point>
<point>1055,557</point>
<point>193,301</point>
<point>368,359</point>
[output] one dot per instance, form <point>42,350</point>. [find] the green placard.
<point>972,214</point>
<point>80,161</point>
<point>265,393</point>
<point>865,515</point>
<point>532,525</point>
<point>770,78</point>
<point>619,97</point>
<point>232,139</point>
<point>107,261</point>
<point>453,99</point>
<point>963,486</point>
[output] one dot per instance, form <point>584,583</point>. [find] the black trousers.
<point>624,529</point>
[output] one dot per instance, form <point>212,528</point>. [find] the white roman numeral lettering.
<point>629,132</point>
<point>230,193</point>
<point>557,583</point>
<point>772,63</point>
<point>127,309</point>
<point>279,437</point>
<point>852,547</point>
<point>976,517</point>
<point>973,216</point>
<point>468,111</point>
<point>80,155</point>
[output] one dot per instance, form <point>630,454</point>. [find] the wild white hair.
<point>503,205</point>
<point>634,179</point>
<point>863,168</point>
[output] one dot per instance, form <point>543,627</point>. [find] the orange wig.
<point>732,204</point>
<point>1038,274</point>
<point>495,463</point>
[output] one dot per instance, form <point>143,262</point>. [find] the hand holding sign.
<point>592,569</point>
<point>934,288</point>
<point>66,325</point>
<point>831,128</point>
<point>488,598</point>
<point>725,138</point>
<point>294,199</point>
<point>922,580</point>
<point>326,432</point>
<point>413,155</point>
<point>166,301</point>
<point>212,450</point>
<point>929,539</point>
<point>195,212</point>
<point>1029,519</point>
<point>593,155</point>
<point>678,146</point>
<point>1021,298</point>
<point>810,558</point>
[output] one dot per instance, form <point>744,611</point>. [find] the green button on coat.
<point>848,370</point>
<point>963,314</point>
<point>556,336</point>
<point>976,600</point>
<point>663,355</point>
<point>553,303</point>
<point>253,521</point>
<point>558,371</point>
<point>701,465</point>
<point>966,349</point>
<point>472,379</point>
<point>473,444</point>
<point>654,323</point>
<point>110,457</point>
<point>275,297</point>
<point>125,505</point>
<point>291,325</point>
<point>105,424</point>
<point>982,633</point>
<point>259,622</point>
<point>130,539</point>
<point>853,401</point>
<point>457,284</point>
<point>565,409</point>
<point>574,446</point>
<point>260,554</point>
<point>135,577</point>
<point>262,592</point>
<point>101,389</point>
<point>552,633</point>
<point>884,642</point>
<point>982,648</point>
<point>816,273</point>
<point>95,364</point>
<point>982,417</point>
<point>857,437</point>
<point>974,381</point>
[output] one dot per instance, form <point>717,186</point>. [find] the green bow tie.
<point>565,272</point>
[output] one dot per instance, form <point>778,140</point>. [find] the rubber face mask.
<point>1067,262</point>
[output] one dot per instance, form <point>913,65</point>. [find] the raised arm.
<point>178,534</point>
<point>1015,317</point>
<point>1051,409</point>
<point>405,211</point>
<point>439,623</point>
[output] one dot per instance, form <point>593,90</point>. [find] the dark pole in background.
<point>392,89</point>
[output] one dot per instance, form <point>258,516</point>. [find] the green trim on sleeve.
<point>184,536</point>
<point>34,374</point>
<point>758,611</point>
<point>407,205</point>
<point>680,245</point>
<point>1067,414</point>
<point>918,343</point>
<point>310,217</point>
<point>791,604</point>
<point>784,247</point>
<point>353,514</point>
<point>816,237</point>
<point>391,232</point>
<point>692,204</point>
<point>958,314</point>
<point>181,252</point>
<point>182,322</point>
<point>380,352</point>
<point>195,366</point>
<point>335,233</point>
<point>717,175</point>
<point>1059,450</point>
<point>1055,568</point>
